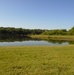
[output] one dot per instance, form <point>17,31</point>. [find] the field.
<point>54,37</point>
<point>37,60</point>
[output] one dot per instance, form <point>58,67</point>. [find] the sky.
<point>37,14</point>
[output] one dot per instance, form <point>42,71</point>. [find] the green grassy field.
<point>54,37</point>
<point>37,60</point>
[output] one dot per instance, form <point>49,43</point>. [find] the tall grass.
<point>37,60</point>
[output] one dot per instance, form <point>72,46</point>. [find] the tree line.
<point>23,32</point>
<point>19,31</point>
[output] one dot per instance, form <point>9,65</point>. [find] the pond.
<point>21,41</point>
<point>31,43</point>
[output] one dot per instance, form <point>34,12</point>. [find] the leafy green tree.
<point>71,31</point>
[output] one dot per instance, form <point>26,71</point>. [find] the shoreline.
<point>54,37</point>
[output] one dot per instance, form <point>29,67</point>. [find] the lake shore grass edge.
<point>54,37</point>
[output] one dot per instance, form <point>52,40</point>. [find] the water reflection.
<point>13,38</point>
<point>26,40</point>
<point>60,41</point>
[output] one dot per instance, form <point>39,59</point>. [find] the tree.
<point>71,31</point>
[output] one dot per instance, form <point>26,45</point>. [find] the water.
<point>21,41</point>
<point>32,43</point>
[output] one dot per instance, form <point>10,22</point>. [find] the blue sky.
<point>37,14</point>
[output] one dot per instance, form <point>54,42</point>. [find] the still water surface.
<point>22,41</point>
<point>32,43</point>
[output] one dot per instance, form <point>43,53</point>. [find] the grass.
<point>37,60</point>
<point>54,37</point>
